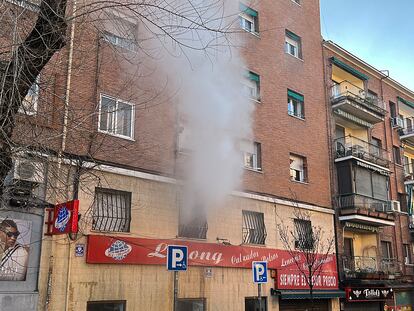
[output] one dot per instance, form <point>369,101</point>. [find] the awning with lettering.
<point>305,294</point>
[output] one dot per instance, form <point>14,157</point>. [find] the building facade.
<point>370,178</point>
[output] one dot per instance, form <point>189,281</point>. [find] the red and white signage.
<point>125,250</point>
<point>63,218</point>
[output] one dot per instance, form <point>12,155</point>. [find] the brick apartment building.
<point>370,139</point>
<point>128,178</point>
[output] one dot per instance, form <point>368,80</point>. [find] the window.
<point>249,20</point>
<point>116,40</point>
<point>116,117</point>
<point>407,254</point>
<point>393,109</point>
<point>111,210</point>
<point>376,147</point>
<point>295,104</point>
<point>29,104</point>
<point>252,155</point>
<point>371,184</point>
<point>251,86</point>
<point>303,234</point>
<point>197,304</point>
<point>372,97</point>
<point>193,226</point>
<point>386,250</point>
<point>254,230</point>
<point>293,44</point>
<point>396,154</point>
<point>106,306</point>
<point>297,1</point>
<point>298,168</point>
<point>252,304</point>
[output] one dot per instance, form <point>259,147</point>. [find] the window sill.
<point>296,117</point>
<point>253,244</point>
<point>300,182</point>
<point>257,101</point>
<point>116,135</point>
<point>256,34</point>
<point>294,56</point>
<point>296,3</point>
<point>253,170</point>
<point>192,239</point>
<point>399,165</point>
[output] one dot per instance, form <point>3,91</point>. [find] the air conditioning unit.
<point>397,122</point>
<point>28,170</point>
<point>395,206</point>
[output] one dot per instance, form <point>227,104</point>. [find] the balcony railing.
<point>407,129</point>
<point>352,146</point>
<point>346,89</point>
<point>364,202</point>
<point>370,265</point>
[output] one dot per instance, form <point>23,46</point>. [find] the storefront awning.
<point>304,294</point>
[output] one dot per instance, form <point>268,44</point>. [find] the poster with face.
<point>15,237</point>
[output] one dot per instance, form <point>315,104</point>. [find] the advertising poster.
<point>15,237</point>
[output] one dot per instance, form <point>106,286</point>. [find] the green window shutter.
<point>253,76</point>
<point>349,69</point>
<point>247,10</point>
<point>292,36</point>
<point>407,102</point>
<point>295,95</point>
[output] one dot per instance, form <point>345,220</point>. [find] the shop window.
<point>303,234</point>
<point>106,306</point>
<point>293,44</point>
<point>249,19</point>
<point>254,229</point>
<point>196,304</point>
<point>252,304</point>
<point>251,86</point>
<point>295,104</point>
<point>298,168</point>
<point>111,210</point>
<point>116,117</point>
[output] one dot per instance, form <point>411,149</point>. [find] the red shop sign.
<point>63,218</point>
<point>125,250</point>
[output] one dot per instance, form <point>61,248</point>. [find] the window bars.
<point>254,230</point>
<point>304,239</point>
<point>111,210</point>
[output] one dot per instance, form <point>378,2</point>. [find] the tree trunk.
<point>19,73</point>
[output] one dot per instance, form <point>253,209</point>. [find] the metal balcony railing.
<point>346,89</point>
<point>364,202</point>
<point>407,129</point>
<point>353,146</point>
<point>370,265</point>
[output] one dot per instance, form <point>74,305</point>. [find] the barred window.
<point>303,234</point>
<point>254,230</point>
<point>111,210</point>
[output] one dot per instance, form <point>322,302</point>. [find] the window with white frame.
<point>298,168</point>
<point>111,210</point>
<point>254,229</point>
<point>251,86</point>
<point>293,44</point>
<point>252,155</point>
<point>249,19</point>
<point>296,104</point>
<point>29,103</point>
<point>122,42</point>
<point>116,117</point>
<point>407,253</point>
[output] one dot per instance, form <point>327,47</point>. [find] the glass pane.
<point>379,185</point>
<point>107,111</point>
<point>363,182</point>
<point>106,306</point>
<point>124,119</point>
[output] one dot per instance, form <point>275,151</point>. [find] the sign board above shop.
<point>139,251</point>
<point>366,294</point>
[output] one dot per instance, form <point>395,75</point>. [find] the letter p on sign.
<point>177,258</point>
<point>259,269</point>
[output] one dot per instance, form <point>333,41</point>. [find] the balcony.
<point>351,102</point>
<point>350,146</point>
<point>407,133</point>
<point>365,210</point>
<point>360,267</point>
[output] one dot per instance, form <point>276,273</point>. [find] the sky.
<point>380,32</point>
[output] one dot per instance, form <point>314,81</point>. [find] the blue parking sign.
<point>177,258</point>
<point>259,269</point>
